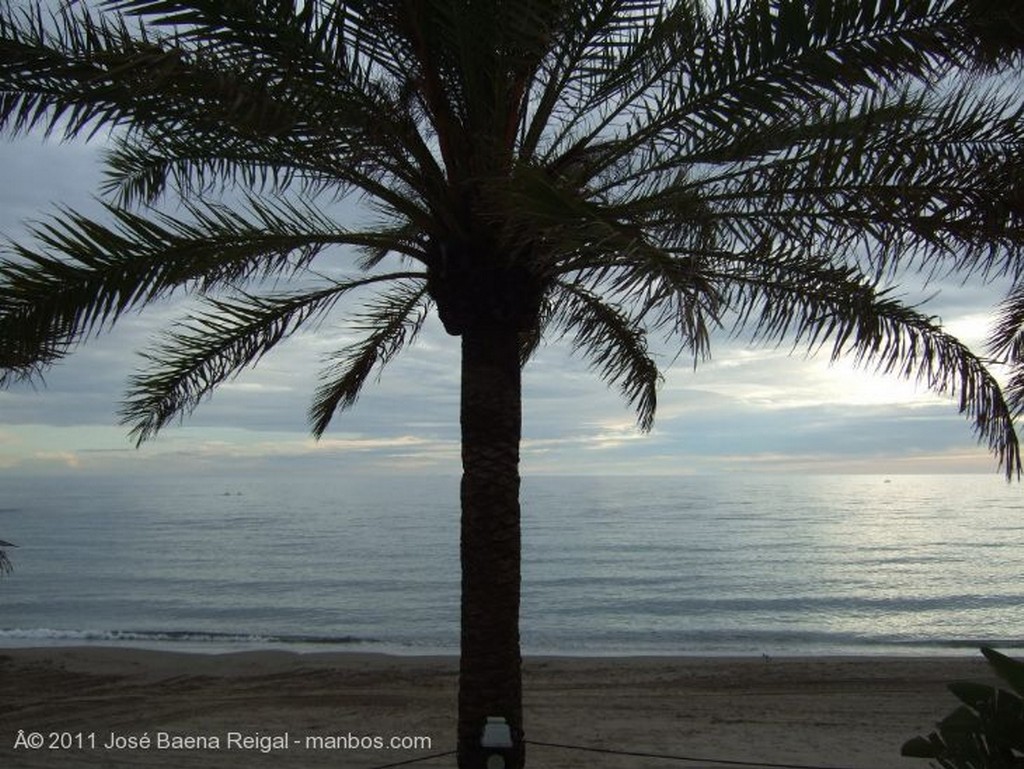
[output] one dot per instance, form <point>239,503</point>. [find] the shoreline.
<point>841,711</point>
<point>183,642</point>
<point>82,650</point>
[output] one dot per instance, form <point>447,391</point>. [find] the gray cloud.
<point>745,409</point>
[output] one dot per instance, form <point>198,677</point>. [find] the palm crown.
<point>602,170</point>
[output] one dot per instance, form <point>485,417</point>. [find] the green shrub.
<point>987,731</point>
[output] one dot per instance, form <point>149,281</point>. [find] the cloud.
<point>40,175</point>
<point>954,461</point>
<point>68,459</point>
<point>746,409</point>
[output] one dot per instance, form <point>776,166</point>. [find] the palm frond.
<point>90,273</point>
<point>592,45</point>
<point>910,182</point>
<point>387,326</point>
<point>531,339</point>
<point>769,56</point>
<point>781,293</point>
<point>619,106</point>
<point>83,73</point>
<point>753,63</point>
<point>317,39</point>
<point>614,343</point>
<point>915,346</point>
<point>940,188</point>
<point>26,365</point>
<point>1006,340</point>
<point>140,170</point>
<point>351,61</point>
<point>464,68</point>
<point>674,294</point>
<point>992,31</point>
<point>141,166</point>
<point>213,345</point>
<point>1006,344</point>
<point>308,34</point>
<point>544,209</point>
<point>615,248</point>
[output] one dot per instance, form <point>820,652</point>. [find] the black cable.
<point>415,760</point>
<point>634,754</point>
<point>667,757</point>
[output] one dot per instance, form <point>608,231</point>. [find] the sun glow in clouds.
<point>769,379</point>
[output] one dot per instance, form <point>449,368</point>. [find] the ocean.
<point>718,565</point>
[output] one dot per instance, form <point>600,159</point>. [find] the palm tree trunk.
<point>490,676</point>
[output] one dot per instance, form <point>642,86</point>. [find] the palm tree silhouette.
<point>598,170</point>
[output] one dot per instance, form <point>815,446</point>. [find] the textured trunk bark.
<point>490,677</point>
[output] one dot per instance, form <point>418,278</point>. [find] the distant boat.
<point>7,544</point>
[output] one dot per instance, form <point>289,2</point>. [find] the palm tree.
<point>599,170</point>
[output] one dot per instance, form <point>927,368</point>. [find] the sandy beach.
<point>109,707</point>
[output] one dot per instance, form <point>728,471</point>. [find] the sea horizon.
<point>690,565</point>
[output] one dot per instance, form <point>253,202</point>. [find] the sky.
<point>748,409</point>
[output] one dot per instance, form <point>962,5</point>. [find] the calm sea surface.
<point>702,565</point>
